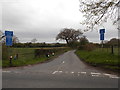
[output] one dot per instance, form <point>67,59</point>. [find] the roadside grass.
<point>101,57</point>
<point>26,57</point>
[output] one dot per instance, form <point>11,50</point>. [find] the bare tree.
<point>69,35</point>
<point>98,11</point>
<point>33,40</point>
<point>83,40</point>
<point>15,39</point>
<point>2,37</point>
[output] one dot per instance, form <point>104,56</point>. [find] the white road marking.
<point>113,76</point>
<point>60,71</point>
<point>72,72</point>
<point>6,71</point>
<point>54,72</point>
<point>95,73</point>
<point>63,61</point>
<point>106,74</point>
<point>83,72</point>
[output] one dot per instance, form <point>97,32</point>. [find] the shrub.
<point>89,47</point>
<point>39,52</point>
<point>4,52</point>
<point>81,47</point>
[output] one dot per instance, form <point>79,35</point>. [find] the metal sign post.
<point>102,31</point>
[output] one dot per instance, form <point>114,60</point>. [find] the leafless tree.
<point>98,11</point>
<point>33,40</point>
<point>15,39</point>
<point>2,37</point>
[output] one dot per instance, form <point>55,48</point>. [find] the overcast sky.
<point>43,19</point>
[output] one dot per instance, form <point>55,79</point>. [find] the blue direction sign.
<point>9,35</point>
<point>102,31</point>
<point>8,41</point>
<point>101,36</point>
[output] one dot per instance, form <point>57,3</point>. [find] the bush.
<point>89,47</point>
<point>41,52</point>
<point>73,45</point>
<point>4,52</point>
<point>81,47</point>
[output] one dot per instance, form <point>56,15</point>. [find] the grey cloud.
<point>31,20</point>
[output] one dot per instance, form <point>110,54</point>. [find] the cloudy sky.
<point>43,19</point>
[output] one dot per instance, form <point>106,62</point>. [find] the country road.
<point>65,71</point>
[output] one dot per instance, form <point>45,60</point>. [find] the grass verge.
<point>100,58</point>
<point>26,57</point>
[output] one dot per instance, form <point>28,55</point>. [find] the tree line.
<point>76,39</point>
<point>36,45</point>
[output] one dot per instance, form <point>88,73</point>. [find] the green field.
<point>26,56</point>
<point>101,57</point>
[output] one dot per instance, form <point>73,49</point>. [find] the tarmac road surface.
<point>65,71</point>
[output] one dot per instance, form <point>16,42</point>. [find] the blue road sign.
<point>101,36</point>
<point>9,35</point>
<point>102,31</point>
<point>8,41</point>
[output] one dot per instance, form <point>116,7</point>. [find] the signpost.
<point>102,31</point>
<point>9,35</point>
